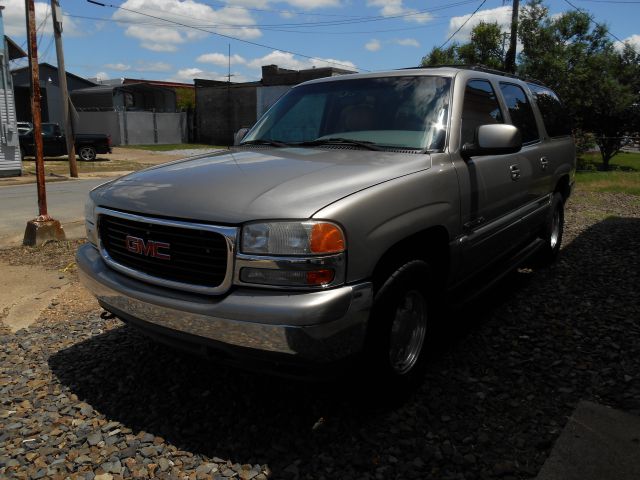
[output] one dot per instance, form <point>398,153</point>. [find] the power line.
<point>268,47</point>
<point>465,22</point>
<point>592,18</point>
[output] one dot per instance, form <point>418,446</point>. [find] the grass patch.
<point>624,161</point>
<point>616,182</point>
<point>171,146</point>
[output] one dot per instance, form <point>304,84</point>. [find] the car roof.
<point>449,71</point>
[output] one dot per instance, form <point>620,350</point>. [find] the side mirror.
<point>495,139</point>
<point>240,134</point>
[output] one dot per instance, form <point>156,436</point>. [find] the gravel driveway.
<point>85,398</point>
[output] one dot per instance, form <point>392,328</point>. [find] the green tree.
<point>598,82</point>
<point>484,48</point>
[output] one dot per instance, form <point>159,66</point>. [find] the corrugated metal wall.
<point>10,160</point>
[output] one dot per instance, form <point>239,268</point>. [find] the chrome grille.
<point>195,257</point>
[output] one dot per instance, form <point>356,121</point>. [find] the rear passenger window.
<point>521,112</point>
<point>554,115</point>
<point>480,108</point>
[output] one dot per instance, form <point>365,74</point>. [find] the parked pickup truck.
<point>54,144</point>
<point>340,221</point>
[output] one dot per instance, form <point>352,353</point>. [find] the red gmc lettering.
<point>150,248</point>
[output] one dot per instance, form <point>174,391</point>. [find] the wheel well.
<point>431,245</point>
<point>563,187</point>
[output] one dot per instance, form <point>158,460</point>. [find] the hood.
<point>264,183</point>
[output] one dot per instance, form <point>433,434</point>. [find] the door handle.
<point>544,163</point>
<point>515,172</point>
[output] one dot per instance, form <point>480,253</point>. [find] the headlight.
<point>292,238</point>
<point>90,221</point>
<point>307,254</point>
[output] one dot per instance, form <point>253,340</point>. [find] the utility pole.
<point>62,81</point>
<point>43,227</point>
<point>510,58</point>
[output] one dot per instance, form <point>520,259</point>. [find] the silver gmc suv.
<point>340,221</point>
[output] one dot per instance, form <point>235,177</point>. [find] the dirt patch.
<point>121,161</point>
<point>41,283</point>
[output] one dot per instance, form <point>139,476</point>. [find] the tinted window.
<point>302,121</point>
<point>520,110</point>
<point>554,115</point>
<point>480,108</point>
<point>48,129</point>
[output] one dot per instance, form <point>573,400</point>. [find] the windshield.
<point>397,112</point>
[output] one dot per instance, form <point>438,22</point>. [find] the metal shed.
<point>10,158</point>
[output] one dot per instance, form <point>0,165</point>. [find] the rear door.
<point>558,147</point>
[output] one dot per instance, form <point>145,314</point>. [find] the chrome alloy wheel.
<point>555,229</point>
<point>87,154</point>
<point>408,331</point>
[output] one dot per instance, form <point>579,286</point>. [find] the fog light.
<point>287,278</point>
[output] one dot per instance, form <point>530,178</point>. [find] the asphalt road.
<point>65,201</point>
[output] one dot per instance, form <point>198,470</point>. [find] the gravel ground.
<point>86,398</point>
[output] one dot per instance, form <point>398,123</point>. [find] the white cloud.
<point>220,59</point>
<point>143,66</point>
<point>407,42</point>
<point>313,4</point>
<point>501,15</point>
<point>230,20</point>
<point>304,4</point>
<point>15,19</point>
<point>249,3</point>
<point>140,66</point>
<point>394,8</point>
<point>187,75</point>
<point>287,14</point>
<point>101,76</point>
<point>119,67</point>
<point>373,45</point>
<point>287,60</point>
<point>633,41</point>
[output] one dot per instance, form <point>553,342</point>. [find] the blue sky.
<point>365,35</point>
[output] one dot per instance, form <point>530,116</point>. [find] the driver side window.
<point>480,108</point>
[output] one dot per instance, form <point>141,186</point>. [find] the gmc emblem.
<point>150,248</point>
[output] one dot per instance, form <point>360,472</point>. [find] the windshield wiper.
<point>265,141</point>
<point>340,141</point>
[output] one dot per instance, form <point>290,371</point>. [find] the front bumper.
<point>316,327</point>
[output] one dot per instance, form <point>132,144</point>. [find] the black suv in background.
<point>54,144</point>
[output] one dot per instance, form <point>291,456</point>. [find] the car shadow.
<point>503,376</point>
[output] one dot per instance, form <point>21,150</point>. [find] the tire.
<point>552,231</point>
<point>88,154</point>
<point>399,324</point>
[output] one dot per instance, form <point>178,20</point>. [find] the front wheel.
<point>88,154</point>
<point>553,230</point>
<point>400,323</point>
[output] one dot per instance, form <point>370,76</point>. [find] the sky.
<point>134,40</point>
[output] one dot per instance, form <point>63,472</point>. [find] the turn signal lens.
<point>320,277</point>
<point>326,238</point>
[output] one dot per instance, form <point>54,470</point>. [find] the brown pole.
<point>62,81</point>
<point>510,59</point>
<point>35,109</point>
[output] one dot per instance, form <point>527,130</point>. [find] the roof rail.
<point>485,69</point>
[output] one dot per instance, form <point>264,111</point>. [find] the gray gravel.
<point>88,399</point>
